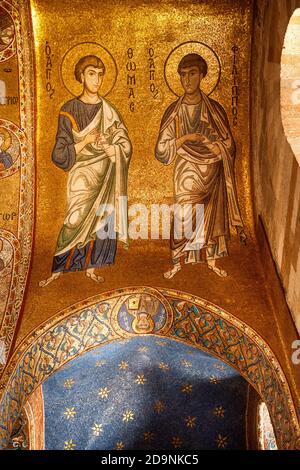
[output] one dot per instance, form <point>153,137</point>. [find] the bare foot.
<point>218,271</point>
<point>50,279</point>
<point>91,274</point>
<point>172,271</point>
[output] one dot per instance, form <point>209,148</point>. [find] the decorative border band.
<point>20,12</point>
<point>196,321</point>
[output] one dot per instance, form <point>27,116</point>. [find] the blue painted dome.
<point>145,392</point>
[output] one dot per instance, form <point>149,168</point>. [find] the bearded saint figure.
<point>195,134</point>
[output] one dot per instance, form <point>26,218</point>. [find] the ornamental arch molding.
<point>182,317</point>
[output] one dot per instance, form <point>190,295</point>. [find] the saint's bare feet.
<point>50,279</point>
<point>218,271</point>
<point>169,274</point>
<point>94,277</point>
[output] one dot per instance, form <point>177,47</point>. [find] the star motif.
<point>221,441</point>
<point>103,392</point>
<point>128,416</point>
<point>100,363</point>
<point>186,363</point>
<point>164,366</point>
<point>120,445</point>
<point>69,445</point>
<point>190,421</point>
<point>123,365</point>
<point>69,383</point>
<point>187,388</point>
<point>219,366</point>
<point>159,406</point>
<point>70,412</point>
<point>161,343</point>
<point>219,411</point>
<point>214,380</point>
<point>148,436</point>
<point>143,349</point>
<point>97,429</point>
<point>176,442</point>
<point>140,379</point>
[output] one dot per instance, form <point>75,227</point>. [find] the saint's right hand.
<point>92,137</point>
<point>195,137</point>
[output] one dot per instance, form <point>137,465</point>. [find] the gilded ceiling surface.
<point>108,111</point>
<point>141,47</point>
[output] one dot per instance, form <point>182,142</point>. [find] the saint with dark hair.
<point>7,30</point>
<point>93,146</point>
<point>195,133</point>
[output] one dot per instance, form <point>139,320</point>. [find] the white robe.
<point>97,184</point>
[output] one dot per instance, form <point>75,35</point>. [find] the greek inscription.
<point>48,71</point>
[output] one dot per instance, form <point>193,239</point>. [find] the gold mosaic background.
<point>138,25</point>
<point>117,27</point>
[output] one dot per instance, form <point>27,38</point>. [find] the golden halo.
<point>71,58</point>
<point>7,139</point>
<point>209,83</point>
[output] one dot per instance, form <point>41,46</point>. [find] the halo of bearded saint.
<point>193,53</point>
<point>82,55</point>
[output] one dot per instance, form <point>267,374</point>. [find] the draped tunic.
<point>6,159</point>
<point>96,186</point>
<point>200,177</point>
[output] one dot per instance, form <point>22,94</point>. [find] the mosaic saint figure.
<point>7,30</point>
<point>195,134</point>
<point>6,160</point>
<point>93,146</point>
<point>5,254</point>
